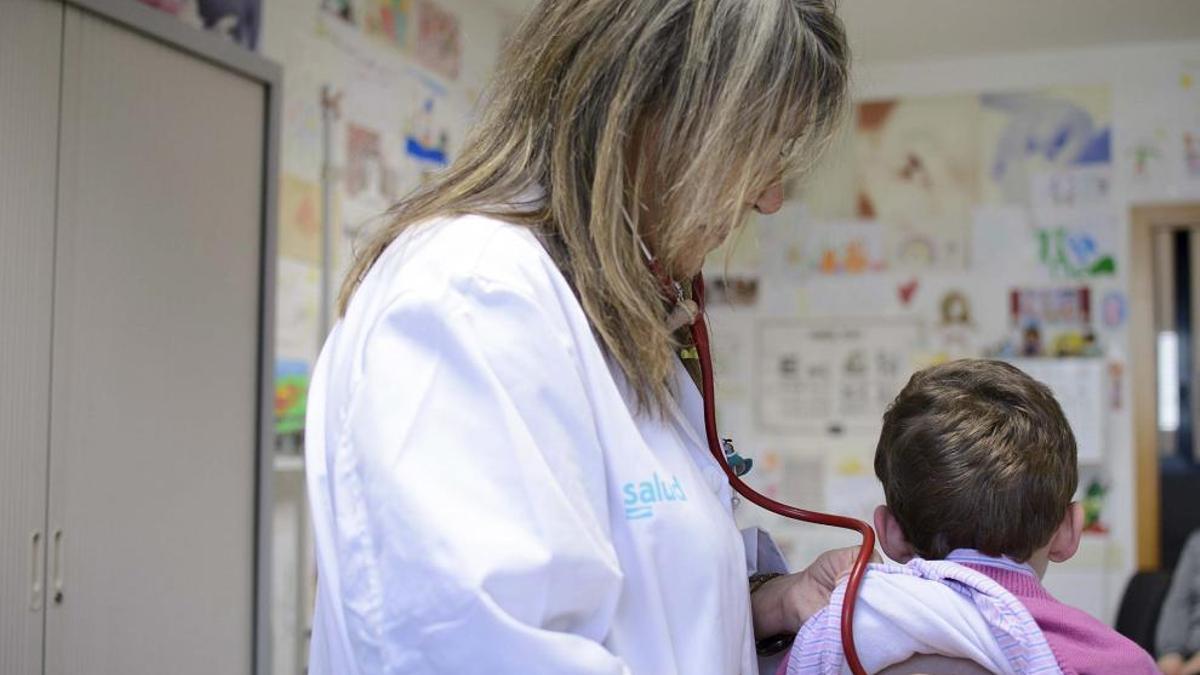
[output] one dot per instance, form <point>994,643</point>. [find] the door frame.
<point>1144,220</point>
<point>218,51</point>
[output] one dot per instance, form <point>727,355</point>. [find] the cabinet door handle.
<point>58,567</point>
<point>36,590</point>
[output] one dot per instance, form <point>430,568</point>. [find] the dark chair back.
<point>1141,606</point>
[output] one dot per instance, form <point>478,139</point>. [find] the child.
<point>978,466</point>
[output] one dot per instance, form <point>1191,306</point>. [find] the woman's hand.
<point>784,603</point>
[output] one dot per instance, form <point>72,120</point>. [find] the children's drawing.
<point>907,291</point>
<point>425,139</point>
<point>1114,309</point>
<point>842,248</point>
<point>917,172</point>
<point>439,39</point>
<point>1191,153</point>
<point>342,9</point>
<point>1084,248</point>
<point>366,168</point>
<point>1029,132</point>
<point>237,20</point>
<point>291,395</point>
<point>299,219</point>
<point>387,21</point>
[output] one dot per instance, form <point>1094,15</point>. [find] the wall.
<point>897,308</point>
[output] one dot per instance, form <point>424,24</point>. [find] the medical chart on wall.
<point>831,377</point>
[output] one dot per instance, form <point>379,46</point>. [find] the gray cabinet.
<point>135,249</point>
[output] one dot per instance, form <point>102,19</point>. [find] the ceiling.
<point>906,30</point>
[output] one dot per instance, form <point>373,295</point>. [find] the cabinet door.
<point>156,353</point>
<point>30,47</point>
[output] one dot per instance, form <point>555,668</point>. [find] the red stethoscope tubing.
<point>859,569</point>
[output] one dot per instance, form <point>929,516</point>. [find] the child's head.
<point>977,454</point>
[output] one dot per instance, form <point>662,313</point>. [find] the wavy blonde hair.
<point>642,120</point>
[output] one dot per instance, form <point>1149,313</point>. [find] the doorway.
<point>1165,340</point>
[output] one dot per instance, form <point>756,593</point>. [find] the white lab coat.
<point>485,501</point>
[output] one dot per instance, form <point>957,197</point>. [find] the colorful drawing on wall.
<point>1191,153</point>
<point>237,20</point>
<point>299,219</point>
<point>1114,309</point>
<point>1082,247</point>
<point>1145,159</point>
<point>426,141</point>
<point>1025,133</point>
<point>907,291</point>
<point>367,170</point>
<point>836,249</point>
<point>917,172</point>
<point>342,9</point>
<point>387,21</point>
<point>439,39</point>
<point>291,396</point>
<point>1050,321</point>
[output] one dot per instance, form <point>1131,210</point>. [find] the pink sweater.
<point>1082,645</point>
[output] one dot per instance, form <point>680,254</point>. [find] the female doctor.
<point>507,463</point>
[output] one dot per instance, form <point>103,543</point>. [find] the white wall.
<point>1146,97</point>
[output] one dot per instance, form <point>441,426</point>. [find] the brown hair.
<point>686,108</point>
<point>976,454</point>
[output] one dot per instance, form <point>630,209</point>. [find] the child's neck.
<point>1039,561</point>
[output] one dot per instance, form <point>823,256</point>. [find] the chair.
<point>1141,605</point>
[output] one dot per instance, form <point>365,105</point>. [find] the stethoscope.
<point>724,452</point>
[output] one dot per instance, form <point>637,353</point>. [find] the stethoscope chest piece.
<point>740,465</point>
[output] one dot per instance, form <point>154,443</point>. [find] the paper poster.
<point>300,126</point>
<point>917,172</point>
<point>299,219</point>
<point>236,20</point>
<point>1046,321</point>
<point>1191,153</point>
<point>439,39</point>
<point>1079,245</point>
<point>1006,228</point>
<point>842,249</point>
<point>426,129</point>
<point>297,298</point>
<point>832,376</point>
<point>1147,160</point>
<point>343,10</point>
<point>387,21</point>
<point>1064,191</point>
<point>291,395</point>
<point>1026,133</point>
<point>771,243</point>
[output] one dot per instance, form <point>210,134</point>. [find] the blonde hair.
<point>639,119</point>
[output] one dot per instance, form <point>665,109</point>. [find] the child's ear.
<point>1065,541</point>
<point>891,537</point>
